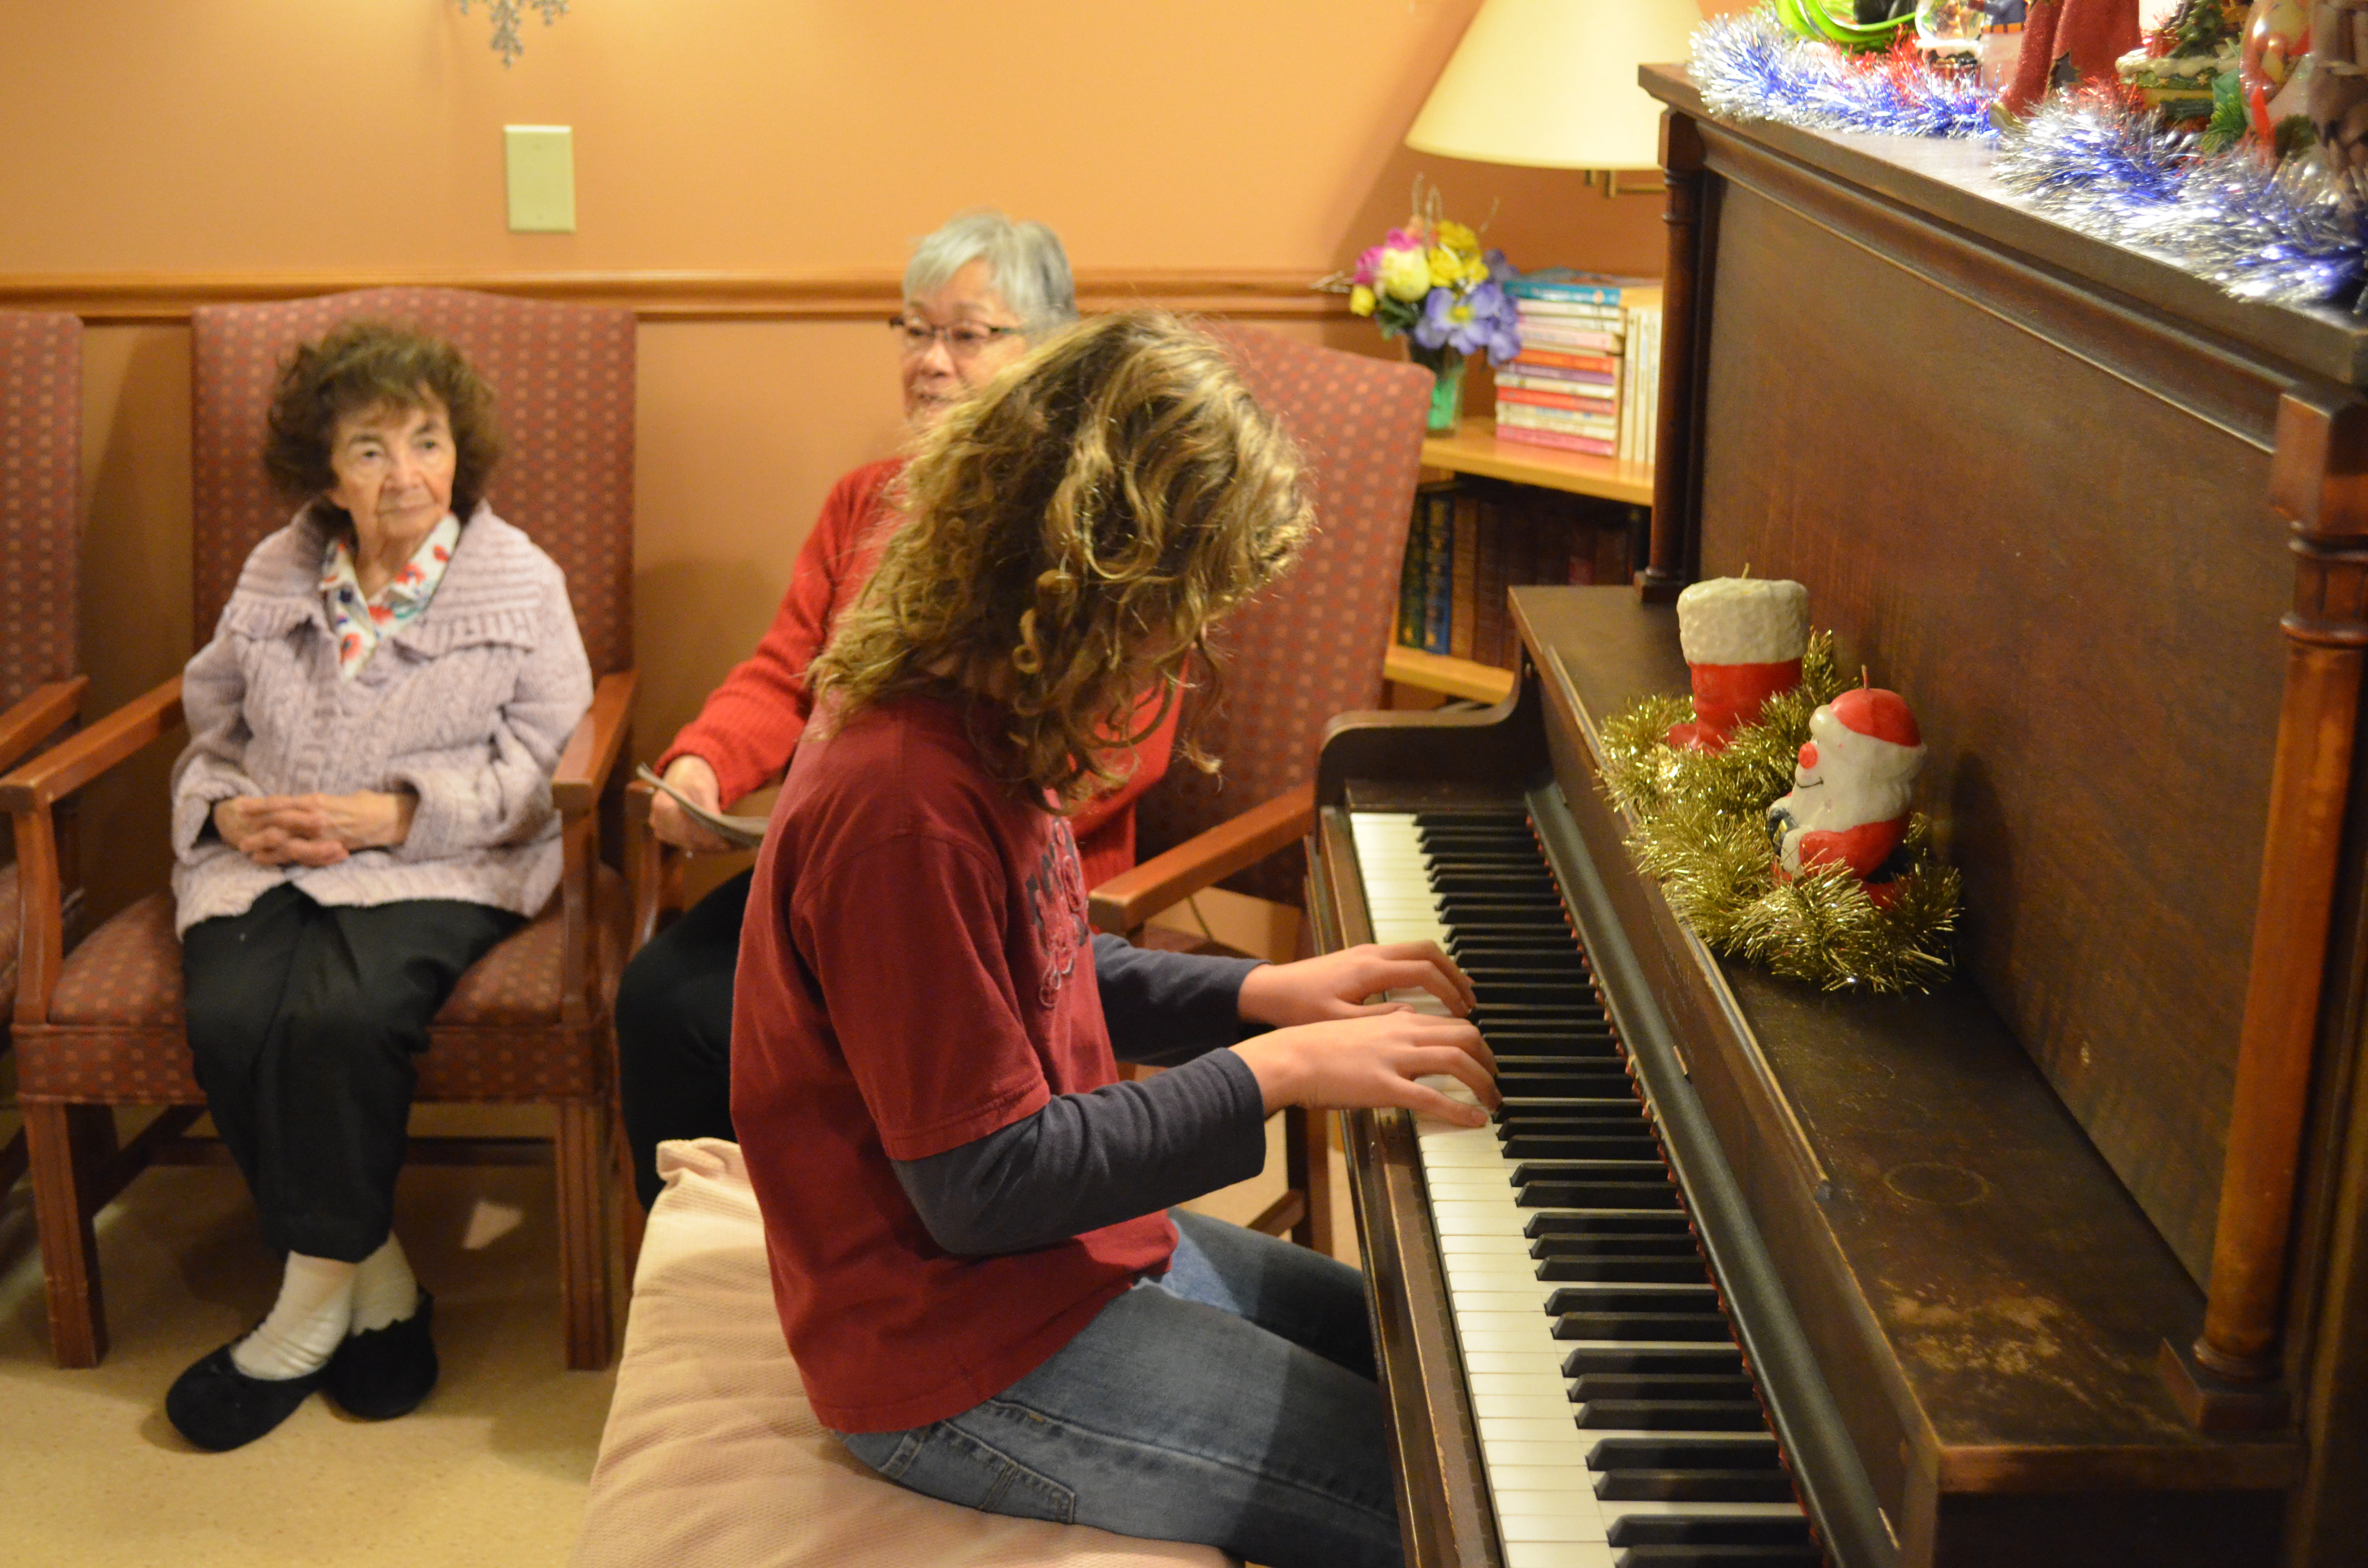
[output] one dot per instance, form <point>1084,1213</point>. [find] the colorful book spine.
<point>1594,445</point>
<point>1414,574</point>
<point>1595,389</point>
<point>1439,564</point>
<point>1556,358</point>
<point>1534,398</point>
<point>1557,375</point>
<point>1566,310</point>
<point>1563,283</point>
<point>1518,414</point>
<point>1555,337</point>
<point>1491,635</point>
<point>1463,600</point>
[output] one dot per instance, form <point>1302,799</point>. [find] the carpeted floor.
<point>491,1470</point>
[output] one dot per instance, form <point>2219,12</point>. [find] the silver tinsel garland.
<point>1750,66</point>
<point>2275,234</point>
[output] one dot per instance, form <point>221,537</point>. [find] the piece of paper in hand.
<point>741,833</point>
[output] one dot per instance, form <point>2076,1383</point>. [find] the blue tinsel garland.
<point>1750,67</point>
<point>2277,236</point>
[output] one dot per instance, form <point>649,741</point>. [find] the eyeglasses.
<point>964,340</point>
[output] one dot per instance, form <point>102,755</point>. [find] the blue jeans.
<point>1231,1402</point>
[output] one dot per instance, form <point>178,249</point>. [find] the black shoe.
<point>382,1373</point>
<point>217,1407</point>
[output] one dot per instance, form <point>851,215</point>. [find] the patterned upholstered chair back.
<point>562,381</point>
<point>40,497</point>
<point>1312,645</point>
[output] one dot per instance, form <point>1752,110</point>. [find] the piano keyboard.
<point>1618,1426</point>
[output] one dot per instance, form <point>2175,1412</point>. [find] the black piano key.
<point>1684,1453</point>
<point>1598,1195</point>
<point>1541,1225</point>
<point>1688,1327</point>
<point>1576,1081</point>
<point>1671,1242</point>
<point>1612,1118</point>
<point>1524,1171</point>
<point>1699,1300</point>
<point>1659,1385</point>
<point>1694,1486</point>
<point>1715,1556</point>
<point>1565,1146</point>
<point>1625,1269</point>
<point>1657,1359</point>
<point>1671,1416</point>
<point>1709,1530</point>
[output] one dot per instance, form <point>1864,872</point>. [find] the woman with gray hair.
<point>979,293</point>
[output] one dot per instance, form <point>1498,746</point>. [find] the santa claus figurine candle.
<point>1743,639</point>
<point>1848,803</point>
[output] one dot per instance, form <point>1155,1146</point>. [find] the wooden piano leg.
<point>2231,1379</point>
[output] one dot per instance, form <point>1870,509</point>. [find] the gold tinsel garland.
<point>1701,831</point>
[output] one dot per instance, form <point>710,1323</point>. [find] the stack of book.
<point>1579,381</point>
<point>1471,539</point>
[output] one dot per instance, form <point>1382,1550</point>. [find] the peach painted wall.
<point>776,136</point>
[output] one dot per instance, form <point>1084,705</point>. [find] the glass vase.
<point>1446,366</point>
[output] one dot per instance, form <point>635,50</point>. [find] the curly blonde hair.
<point>1069,536</point>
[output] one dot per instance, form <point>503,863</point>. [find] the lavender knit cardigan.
<point>468,706</point>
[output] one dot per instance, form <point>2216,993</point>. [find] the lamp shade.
<point>1553,83</point>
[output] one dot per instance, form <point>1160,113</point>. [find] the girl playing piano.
<point>966,1211</point>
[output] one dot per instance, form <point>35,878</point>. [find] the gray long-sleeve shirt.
<point>1093,1159</point>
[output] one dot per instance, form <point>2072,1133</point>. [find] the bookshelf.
<point>1473,449</point>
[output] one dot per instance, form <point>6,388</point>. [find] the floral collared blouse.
<point>359,623</point>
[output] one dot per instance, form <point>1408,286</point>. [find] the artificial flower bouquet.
<point>1431,282</point>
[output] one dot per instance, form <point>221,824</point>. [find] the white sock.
<point>385,1291</point>
<point>306,1324</point>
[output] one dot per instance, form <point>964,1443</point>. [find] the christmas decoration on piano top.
<point>1780,830</point>
<point>2230,141</point>
<point>1431,282</point>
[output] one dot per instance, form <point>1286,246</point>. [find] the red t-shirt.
<point>749,725</point>
<point>915,972</point>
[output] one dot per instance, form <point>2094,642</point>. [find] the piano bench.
<point>711,1455</point>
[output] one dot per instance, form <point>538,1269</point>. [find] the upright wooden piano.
<point>2064,1264</point>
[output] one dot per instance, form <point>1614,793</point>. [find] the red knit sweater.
<point>751,723</point>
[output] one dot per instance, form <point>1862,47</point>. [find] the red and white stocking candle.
<point>1743,639</point>
<point>1850,790</point>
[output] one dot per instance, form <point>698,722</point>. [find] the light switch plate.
<point>541,160</point>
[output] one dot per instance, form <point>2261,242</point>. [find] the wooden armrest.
<point>37,718</point>
<point>75,762</point>
<point>1129,899</point>
<point>592,750</point>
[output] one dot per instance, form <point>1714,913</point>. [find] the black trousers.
<point>674,1031</point>
<point>304,1019</point>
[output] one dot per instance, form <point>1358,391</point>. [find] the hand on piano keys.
<point>1393,1057</point>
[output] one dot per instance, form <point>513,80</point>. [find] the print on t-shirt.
<point>1056,909</point>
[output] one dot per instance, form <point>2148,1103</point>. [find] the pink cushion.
<point>711,1454</point>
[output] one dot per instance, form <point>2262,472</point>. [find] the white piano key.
<point>1558,1554</point>
<point>1530,1301</point>
<point>1517,1361</point>
<point>1563,1500</point>
<point>1530,1403</point>
<point>1538,1486</point>
<point>1533,1451</point>
<point>1481,1383</point>
<point>1516,1528</point>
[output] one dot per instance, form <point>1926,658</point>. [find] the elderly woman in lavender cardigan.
<point>364,808</point>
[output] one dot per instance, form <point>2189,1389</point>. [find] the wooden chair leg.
<point>629,1197</point>
<point>63,1147</point>
<point>581,1164</point>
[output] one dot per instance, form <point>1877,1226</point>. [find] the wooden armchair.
<point>1307,649</point>
<point>102,1027</point>
<point>41,509</point>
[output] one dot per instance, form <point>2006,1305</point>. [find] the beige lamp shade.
<point>1553,83</point>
